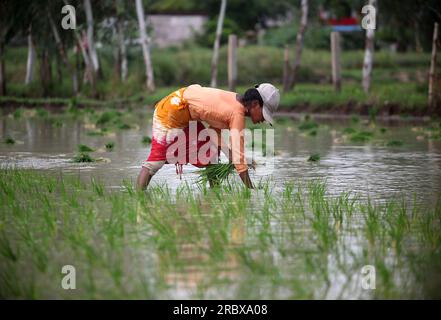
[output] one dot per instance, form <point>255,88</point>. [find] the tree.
<point>145,43</point>
<point>121,63</point>
<point>62,52</point>
<point>90,38</point>
<point>299,46</point>
<point>14,17</point>
<point>368,54</point>
<point>216,44</point>
<point>31,58</point>
<point>409,22</point>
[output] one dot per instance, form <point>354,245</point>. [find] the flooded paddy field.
<point>340,195</point>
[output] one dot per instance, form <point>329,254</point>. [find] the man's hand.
<point>246,179</point>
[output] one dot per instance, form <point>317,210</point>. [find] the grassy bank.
<point>389,99</point>
<point>399,79</point>
<point>227,242</point>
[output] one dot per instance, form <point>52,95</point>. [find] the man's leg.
<point>148,170</point>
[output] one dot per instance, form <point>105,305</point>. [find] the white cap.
<point>271,98</point>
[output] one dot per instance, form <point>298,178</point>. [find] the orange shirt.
<point>221,110</point>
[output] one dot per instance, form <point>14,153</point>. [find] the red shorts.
<point>160,149</point>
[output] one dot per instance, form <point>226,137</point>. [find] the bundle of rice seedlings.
<point>83,157</point>
<point>110,145</point>
<point>84,148</point>
<point>314,157</point>
<point>146,140</point>
<point>9,140</point>
<point>215,173</point>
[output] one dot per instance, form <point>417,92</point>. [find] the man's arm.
<point>237,126</point>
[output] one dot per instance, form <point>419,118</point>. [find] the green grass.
<point>396,78</point>
<point>225,242</point>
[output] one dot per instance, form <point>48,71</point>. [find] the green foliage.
<point>107,117</point>
<point>308,125</point>
<point>207,37</point>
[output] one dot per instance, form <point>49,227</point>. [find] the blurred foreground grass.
<point>226,242</point>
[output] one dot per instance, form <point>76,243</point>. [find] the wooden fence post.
<point>336,66</point>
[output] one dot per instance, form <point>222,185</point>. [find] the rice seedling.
<point>146,140</point>
<point>73,109</point>
<point>314,157</point>
<point>42,113</point>
<point>98,187</point>
<point>349,130</point>
<point>308,125</point>
<point>18,113</point>
<point>57,123</point>
<point>394,143</point>
<point>372,112</point>
<point>361,136</point>
<point>124,126</point>
<point>283,121</point>
<point>108,116</point>
<point>215,174</point>
<point>83,157</point>
<point>355,119</point>
<point>89,110</point>
<point>9,140</point>
<point>110,146</point>
<point>100,132</point>
<point>84,148</point>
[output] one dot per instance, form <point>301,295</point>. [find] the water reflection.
<point>372,169</point>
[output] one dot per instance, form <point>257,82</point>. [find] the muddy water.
<point>368,169</point>
<point>371,169</point>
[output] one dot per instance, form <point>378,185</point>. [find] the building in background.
<point>169,29</point>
